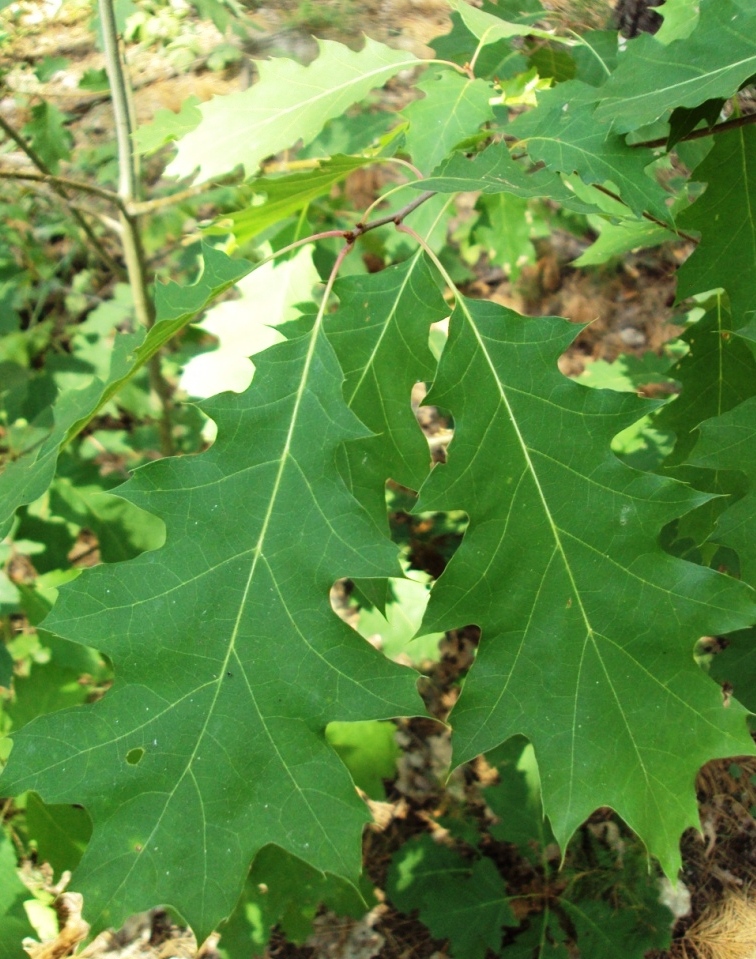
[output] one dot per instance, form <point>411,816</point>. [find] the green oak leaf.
<point>630,931</point>
<point>651,79</point>
<point>595,56</point>
<point>460,900</point>
<point>504,230</point>
<point>684,120</point>
<point>453,108</point>
<point>679,19</point>
<point>728,442</point>
<point>562,133</point>
<point>516,801</point>
<point>494,171</point>
<point>285,196</point>
<point>717,372</point>
<point>288,103</point>
<point>380,335</point>
<point>587,625</point>
<point>616,239</point>
<point>81,495</point>
<point>725,216</point>
<point>543,938</point>
<point>229,662</point>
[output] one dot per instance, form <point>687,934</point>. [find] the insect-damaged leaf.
<point>229,661</point>
<point>588,626</point>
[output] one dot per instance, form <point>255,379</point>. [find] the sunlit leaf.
<point>562,570</point>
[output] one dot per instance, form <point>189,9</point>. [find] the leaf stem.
<point>731,124</point>
<point>128,192</point>
<point>395,218</point>
<point>52,179</point>
<point>648,216</point>
<point>403,228</point>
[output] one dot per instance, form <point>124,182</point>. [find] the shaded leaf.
<point>595,56</point>
<point>498,59</point>
<point>728,442</point>
<point>288,103</point>
<point>735,666</point>
<point>516,801</point>
<point>725,218</point>
<point>282,890</point>
<point>715,375</point>
<point>462,901</point>
<point>494,171</point>
<point>60,833</point>
<point>588,625</point>
<point>683,120</point>
<point>29,476</point>
<point>651,79</point>
<point>204,751</point>
<point>562,133</point>
<point>630,931</point>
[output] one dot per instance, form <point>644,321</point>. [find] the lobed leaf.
<point>464,902</point>
<point>229,660</point>
<point>453,108</point>
<point>562,133</point>
<point>494,171</point>
<point>288,103</point>
<point>651,79</point>
<point>25,479</point>
<point>588,626</point>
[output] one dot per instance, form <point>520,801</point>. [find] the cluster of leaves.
<point>195,692</point>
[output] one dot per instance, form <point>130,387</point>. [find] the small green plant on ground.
<point>195,693</point>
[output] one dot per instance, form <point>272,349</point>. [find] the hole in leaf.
<point>134,756</point>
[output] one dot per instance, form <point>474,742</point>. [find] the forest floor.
<point>628,308</point>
